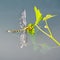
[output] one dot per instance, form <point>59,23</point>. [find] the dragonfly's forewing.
<point>23,23</point>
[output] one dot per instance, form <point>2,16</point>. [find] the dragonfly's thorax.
<point>29,28</point>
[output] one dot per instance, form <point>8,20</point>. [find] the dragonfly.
<point>22,30</point>
<point>30,28</point>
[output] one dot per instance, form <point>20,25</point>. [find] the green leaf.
<point>38,15</point>
<point>48,16</point>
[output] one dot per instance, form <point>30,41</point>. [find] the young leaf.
<point>38,15</point>
<point>48,16</point>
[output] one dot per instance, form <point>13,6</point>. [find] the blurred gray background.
<point>10,12</point>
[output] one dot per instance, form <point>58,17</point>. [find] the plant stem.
<point>48,27</point>
<point>58,43</point>
<point>50,36</point>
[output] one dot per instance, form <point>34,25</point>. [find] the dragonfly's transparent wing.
<point>23,39</point>
<point>23,23</point>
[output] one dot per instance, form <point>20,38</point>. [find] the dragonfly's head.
<point>30,29</point>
